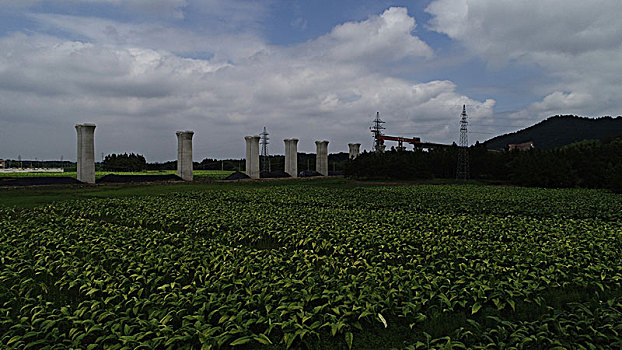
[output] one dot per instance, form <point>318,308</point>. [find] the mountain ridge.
<point>560,130</point>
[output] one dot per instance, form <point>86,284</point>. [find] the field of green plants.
<point>312,264</point>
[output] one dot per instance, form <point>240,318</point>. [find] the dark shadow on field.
<point>36,181</point>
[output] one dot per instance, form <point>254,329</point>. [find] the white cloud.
<point>299,23</point>
<point>17,4</point>
<point>387,38</point>
<point>577,43</point>
<point>225,46</point>
<point>165,8</point>
<point>139,94</point>
<point>505,30</point>
<point>234,15</point>
<point>560,100</point>
<point>159,8</point>
<point>556,103</point>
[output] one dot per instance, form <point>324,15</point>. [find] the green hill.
<point>561,130</point>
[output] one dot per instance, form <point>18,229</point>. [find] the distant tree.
<point>170,165</point>
<point>614,177</point>
<point>542,169</point>
<point>124,162</point>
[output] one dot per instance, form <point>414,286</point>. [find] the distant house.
<point>525,146</point>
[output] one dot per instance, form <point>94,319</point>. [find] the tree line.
<point>589,163</point>
<point>136,162</point>
<point>124,162</point>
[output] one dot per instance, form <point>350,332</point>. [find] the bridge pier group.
<point>86,155</point>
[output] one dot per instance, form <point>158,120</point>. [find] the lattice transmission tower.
<point>376,129</point>
<point>265,140</point>
<point>462,171</point>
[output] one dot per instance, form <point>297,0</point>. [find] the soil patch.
<point>113,178</point>
<point>238,175</point>
<point>39,180</point>
<point>273,174</point>
<point>309,174</point>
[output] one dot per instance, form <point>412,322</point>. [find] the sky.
<point>307,69</point>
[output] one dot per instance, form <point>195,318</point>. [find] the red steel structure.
<point>380,138</point>
<point>415,141</point>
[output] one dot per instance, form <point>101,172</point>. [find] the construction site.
<point>257,158</point>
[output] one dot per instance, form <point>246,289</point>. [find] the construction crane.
<point>380,138</point>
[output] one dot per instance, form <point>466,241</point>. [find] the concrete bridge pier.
<point>355,150</point>
<point>321,157</point>
<point>184,154</point>
<point>252,156</point>
<point>291,157</point>
<point>86,153</point>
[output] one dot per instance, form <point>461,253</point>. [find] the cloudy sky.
<point>143,69</point>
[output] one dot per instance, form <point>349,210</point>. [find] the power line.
<point>484,125</point>
<point>501,126</point>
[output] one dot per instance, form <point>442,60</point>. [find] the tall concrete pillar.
<point>355,150</point>
<point>86,152</point>
<point>252,156</point>
<point>321,157</point>
<point>291,157</point>
<point>184,154</point>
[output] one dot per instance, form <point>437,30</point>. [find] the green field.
<point>320,264</point>
<point>198,174</point>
